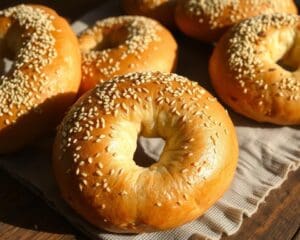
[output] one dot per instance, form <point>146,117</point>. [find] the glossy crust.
<point>161,10</point>
<point>245,72</point>
<point>94,147</point>
<point>207,20</point>
<point>44,78</point>
<point>120,45</point>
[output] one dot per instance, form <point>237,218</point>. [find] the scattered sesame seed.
<point>100,165</point>
<point>90,160</point>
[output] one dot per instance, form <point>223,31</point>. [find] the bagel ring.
<point>161,10</point>
<point>45,75</point>
<point>119,45</point>
<point>93,153</point>
<point>249,70</point>
<point>207,20</point>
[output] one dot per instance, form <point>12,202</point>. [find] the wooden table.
<point>25,216</point>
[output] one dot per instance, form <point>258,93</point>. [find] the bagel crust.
<point>44,77</point>
<point>120,45</point>
<point>207,20</point>
<point>245,72</point>
<point>95,144</point>
<point>161,10</point>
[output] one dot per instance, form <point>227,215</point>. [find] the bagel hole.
<point>287,65</point>
<point>7,59</point>
<point>288,59</point>
<point>10,47</point>
<point>148,151</point>
<point>5,65</point>
<point>111,39</point>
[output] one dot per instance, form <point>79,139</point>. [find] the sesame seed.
<point>84,181</point>
<point>190,154</point>
<point>111,172</point>
<point>90,160</point>
<point>123,193</point>
<point>185,197</point>
<point>81,163</point>
<point>100,165</point>
<point>185,170</point>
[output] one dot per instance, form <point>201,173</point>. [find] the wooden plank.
<point>25,216</point>
<point>297,235</point>
<point>278,218</point>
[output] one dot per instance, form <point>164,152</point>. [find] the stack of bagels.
<point>114,83</point>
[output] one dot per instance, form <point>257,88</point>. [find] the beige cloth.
<point>267,154</point>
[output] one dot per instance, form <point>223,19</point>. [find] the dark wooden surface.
<point>25,216</point>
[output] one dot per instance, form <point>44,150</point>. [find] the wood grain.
<point>278,218</point>
<point>297,235</point>
<point>25,216</point>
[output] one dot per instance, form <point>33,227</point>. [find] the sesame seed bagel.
<point>161,10</point>
<point>120,45</point>
<point>95,144</point>
<point>44,77</point>
<point>207,20</point>
<point>249,68</point>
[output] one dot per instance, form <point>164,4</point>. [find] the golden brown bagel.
<point>45,75</point>
<point>119,45</point>
<point>245,73</point>
<point>161,10</point>
<point>207,20</point>
<point>94,147</point>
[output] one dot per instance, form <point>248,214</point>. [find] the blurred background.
<point>71,9</point>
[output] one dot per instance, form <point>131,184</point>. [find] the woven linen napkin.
<point>267,154</point>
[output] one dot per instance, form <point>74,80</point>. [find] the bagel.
<point>45,75</point>
<point>248,68</point>
<point>94,147</point>
<point>161,10</point>
<point>120,45</point>
<point>207,20</point>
